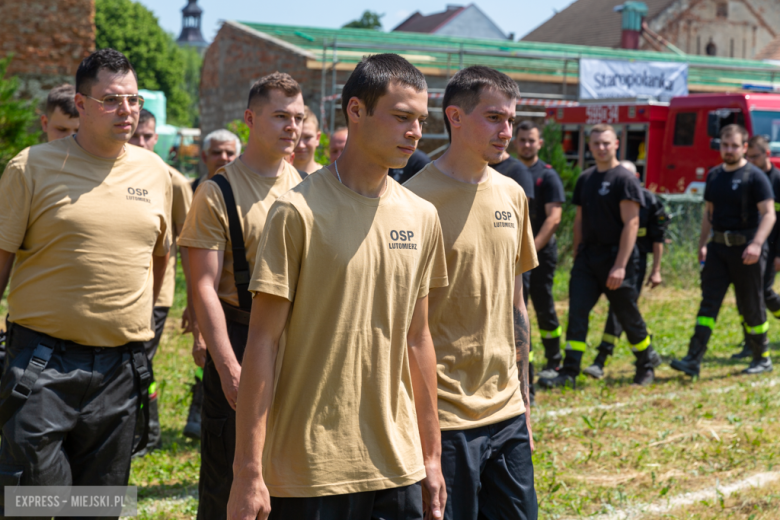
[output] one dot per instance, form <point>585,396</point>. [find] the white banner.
<point>610,79</point>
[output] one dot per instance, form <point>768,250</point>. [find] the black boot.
<point>761,362</point>
<point>745,351</point>
<point>552,353</point>
<point>646,361</point>
<point>596,369</point>
<point>691,363</point>
<point>567,375</point>
<point>192,428</point>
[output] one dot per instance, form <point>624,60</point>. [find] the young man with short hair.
<point>145,136</point>
<point>608,198</point>
<point>738,219</point>
<point>60,117</point>
<point>222,257</point>
<point>545,217</point>
<point>338,140</point>
<point>482,354</point>
<point>308,144</point>
<point>88,217</point>
<point>758,153</point>
<point>220,148</point>
<point>650,239</point>
<point>338,421</point>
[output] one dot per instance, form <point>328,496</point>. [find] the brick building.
<point>725,28</point>
<point>48,40</point>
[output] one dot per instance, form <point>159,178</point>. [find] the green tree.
<point>193,64</point>
<point>552,153</point>
<point>132,29</point>
<point>17,118</point>
<point>369,20</point>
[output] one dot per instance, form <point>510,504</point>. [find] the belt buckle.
<point>726,239</point>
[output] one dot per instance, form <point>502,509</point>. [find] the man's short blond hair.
<point>309,117</point>
<point>601,128</point>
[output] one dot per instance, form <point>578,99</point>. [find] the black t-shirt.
<point>652,222</point>
<point>416,162</point>
<point>725,191</point>
<point>547,188</point>
<point>600,194</point>
<point>517,171</point>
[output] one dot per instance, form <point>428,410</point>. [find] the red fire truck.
<point>673,144</point>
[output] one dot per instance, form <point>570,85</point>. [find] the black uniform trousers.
<point>160,316</point>
<point>489,472</point>
<point>612,328</point>
<point>771,298</point>
<point>218,434</point>
<point>401,503</point>
<point>538,284</point>
<point>723,267</point>
<point>588,282</point>
<point>76,427</point>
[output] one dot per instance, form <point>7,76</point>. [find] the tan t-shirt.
<point>84,230</point>
<point>488,239</point>
<point>207,223</point>
<point>343,417</point>
<point>182,200</point>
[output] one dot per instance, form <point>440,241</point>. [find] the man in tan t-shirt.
<point>222,302</point>
<point>88,218</point>
<point>145,136</point>
<point>308,144</point>
<point>220,147</point>
<point>338,421</point>
<point>60,117</point>
<point>481,352</point>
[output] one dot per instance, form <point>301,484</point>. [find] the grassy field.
<point>678,449</point>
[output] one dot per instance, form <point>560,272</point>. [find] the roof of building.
<point>421,23</point>
<point>523,60</point>
<point>770,52</point>
<point>589,22</point>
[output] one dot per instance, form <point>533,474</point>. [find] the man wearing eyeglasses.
<point>88,218</point>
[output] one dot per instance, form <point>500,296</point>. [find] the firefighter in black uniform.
<point>516,170</point>
<point>650,239</point>
<point>740,213</point>
<point>608,198</point>
<point>758,154</point>
<point>548,200</point>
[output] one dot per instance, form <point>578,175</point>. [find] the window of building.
<point>722,10</point>
<point>684,128</point>
<point>711,49</point>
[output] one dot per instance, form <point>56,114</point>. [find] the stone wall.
<point>48,39</point>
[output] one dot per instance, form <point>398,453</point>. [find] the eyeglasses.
<point>112,101</point>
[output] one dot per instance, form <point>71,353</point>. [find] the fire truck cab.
<point>673,144</point>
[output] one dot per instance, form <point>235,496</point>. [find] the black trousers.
<point>489,472</point>
<point>589,281</point>
<point>771,298</point>
<point>401,503</point>
<point>160,316</point>
<point>612,328</point>
<point>538,283</point>
<point>218,434</point>
<point>723,267</point>
<point>76,427</point>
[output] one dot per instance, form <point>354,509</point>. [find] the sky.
<point>518,16</point>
